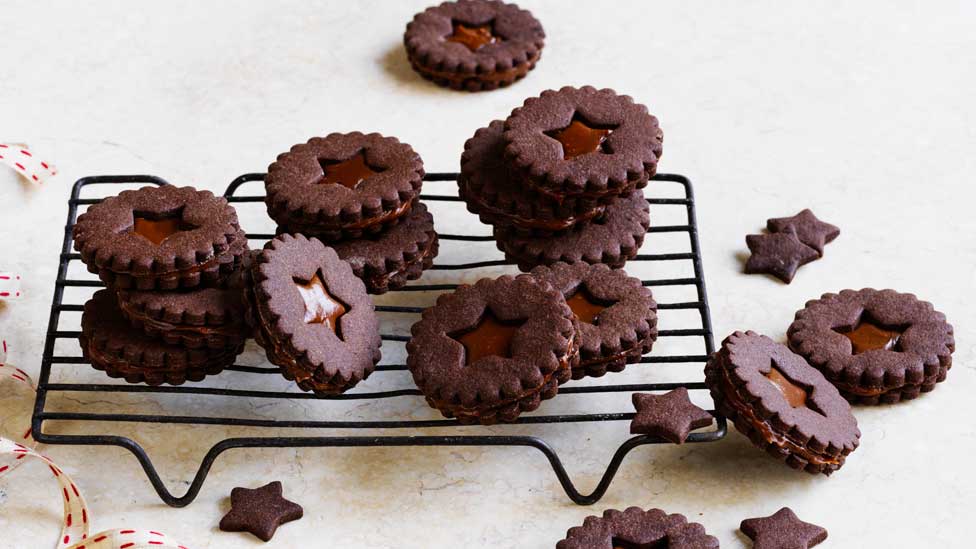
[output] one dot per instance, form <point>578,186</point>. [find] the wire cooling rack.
<point>418,431</point>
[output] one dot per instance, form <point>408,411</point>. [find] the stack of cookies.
<point>358,194</point>
<point>560,180</point>
<point>492,350</point>
<point>170,258</point>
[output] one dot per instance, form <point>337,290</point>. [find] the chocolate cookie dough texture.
<point>617,315</point>
<point>403,252</point>
<point>635,527</point>
<point>312,315</point>
<point>784,405</point>
<point>343,185</point>
<point>474,45</point>
<point>560,179</point>
<point>160,238</point>
<point>875,346</point>
<point>492,350</point>
<point>112,345</point>
<point>170,257</point>
<point>358,193</point>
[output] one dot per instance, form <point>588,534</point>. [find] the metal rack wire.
<point>417,429</point>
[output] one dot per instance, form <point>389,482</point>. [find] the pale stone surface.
<point>861,112</point>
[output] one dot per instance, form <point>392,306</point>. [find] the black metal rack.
<point>416,427</point>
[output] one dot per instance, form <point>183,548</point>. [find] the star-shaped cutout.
<point>581,137</point>
<point>473,37</point>
<point>809,230</point>
<point>321,307</point>
<point>868,335</point>
<point>157,228</point>
<point>778,254</point>
<point>349,173</point>
<point>782,530</point>
<point>491,337</point>
<point>259,511</point>
<point>670,416</point>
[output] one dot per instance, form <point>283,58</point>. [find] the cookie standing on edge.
<point>617,315</point>
<point>474,45</point>
<point>313,315</point>
<point>875,346</point>
<point>343,185</point>
<point>161,238</point>
<point>635,527</point>
<point>612,238</point>
<point>388,260</point>
<point>784,405</point>
<point>490,351</point>
<point>114,346</point>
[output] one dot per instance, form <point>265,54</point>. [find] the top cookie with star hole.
<point>160,238</point>
<point>474,45</point>
<point>343,185</point>
<point>583,142</point>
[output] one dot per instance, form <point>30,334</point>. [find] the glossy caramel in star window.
<point>491,337</point>
<point>579,138</point>
<point>350,172</point>
<point>869,336</point>
<point>794,394</point>
<point>320,306</point>
<point>584,307</point>
<point>473,37</point>
<point>156,230</point>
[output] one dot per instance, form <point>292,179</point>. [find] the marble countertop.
<point>862,112</point>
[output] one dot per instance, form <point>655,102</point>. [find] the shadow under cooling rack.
<point>417,430</point>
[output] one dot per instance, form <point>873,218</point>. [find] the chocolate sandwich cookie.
<point>635,527</point>
<point>617,315</point>
<point>386,261</point>
<point>203,317</point>
<point>312,315</point>
<point>343,185</point>
<point>114,346</point>
<point>160,238</point>
<point>875,346</point>
<point>499,197</point>
<point>474,45</point>
<point>584,143</point>
<point>784,405</point>
<point>611,238</point>
<point>488,352</point>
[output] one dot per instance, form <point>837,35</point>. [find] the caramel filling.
<point>349,173</point>
<point>320,306</point>
<point>868,335</point>
<point>157,228</point>
<point>473,37</point>
<point>585,307</point>
<point>793,393</point>
<point>491,337</point>
<point>581,138</point>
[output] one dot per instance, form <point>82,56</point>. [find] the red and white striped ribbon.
<point>19,157</point>
<point>22,435</point>
<point>9,286</point>
<point>75,527</point>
